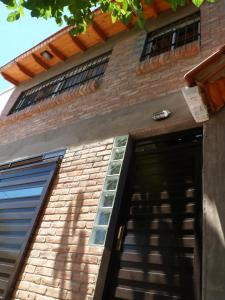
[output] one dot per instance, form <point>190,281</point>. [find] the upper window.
<point>172,36</point>
<point>73,78</point>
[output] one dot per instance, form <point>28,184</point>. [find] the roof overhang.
<point>209,77</point>
<point>62,45</point>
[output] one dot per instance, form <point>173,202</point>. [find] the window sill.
<point>156,62</point>
<point>50,103</point>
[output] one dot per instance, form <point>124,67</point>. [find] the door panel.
<point>158,257</point>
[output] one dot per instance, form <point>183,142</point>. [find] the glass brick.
<point>98,236</point>
<point>114,168</point>
<point>121,141</point>
<point>111,183</point>
<point>107,199</point>
<point>118,153</point>
<point>103,217</point>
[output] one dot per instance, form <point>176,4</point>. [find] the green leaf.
<point>21,11</point>
<point>13,16</point>
<point>79,13</point>
<point>114,18</point>
<point>198,3</point>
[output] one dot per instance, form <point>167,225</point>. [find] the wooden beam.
<point>24,70</point>
<point>210,70</point>
<point>40,62</point>
<point>78,43</point>
<point>216,74</point>
<point>154,10</point>
<point>10,78</point>
<point>98,30</point>
<point>57,52</point>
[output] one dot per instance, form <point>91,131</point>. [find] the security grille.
<point>172,36</point>
<point>71,79</point>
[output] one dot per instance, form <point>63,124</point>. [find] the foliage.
<point>79,13</point>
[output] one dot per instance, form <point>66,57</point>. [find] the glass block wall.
<point>109,191</point>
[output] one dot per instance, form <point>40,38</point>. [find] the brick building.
<point>112,161</point>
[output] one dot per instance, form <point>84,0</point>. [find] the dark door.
<point>158,247</point>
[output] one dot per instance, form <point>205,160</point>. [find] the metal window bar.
<point>172,36</point>
<point>71,79</point>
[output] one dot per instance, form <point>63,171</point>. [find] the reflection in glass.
<point>17,210</point>
<point>121,141</point>
<point>114,168</point>
<point>34,191</point>
<point>98,236</point>
<point>103,217</point>
<point>111,183</point>
<point>107,200</point>
<point>118,153</point>
<point>190,193</point>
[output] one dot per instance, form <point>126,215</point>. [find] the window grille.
<point>73,78</point>
<point>24,187</point>
<point>172,36</point>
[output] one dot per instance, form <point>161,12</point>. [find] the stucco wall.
<point>4,98</point>
<point>214,208</point>
<point>135,120</point>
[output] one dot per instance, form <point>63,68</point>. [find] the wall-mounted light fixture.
<point>161,115</point>
<point>47,55</point>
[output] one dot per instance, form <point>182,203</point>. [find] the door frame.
<point>118,213</point>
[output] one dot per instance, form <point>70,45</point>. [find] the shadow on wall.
<point>70,271</point>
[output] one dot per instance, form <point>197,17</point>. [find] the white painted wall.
<point>4,97</point>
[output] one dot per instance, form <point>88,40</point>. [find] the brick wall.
<point>121,86</point>
<point>60,264</point>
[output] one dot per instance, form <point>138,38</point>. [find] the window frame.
<point>70,79</point>
<point>173,28</point>
<point>9,172</point>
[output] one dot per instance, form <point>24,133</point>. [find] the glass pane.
<point>121,141</point>
<point>111,183</point>
<point>103,218</point>
<point>162,40</point>
<point>118,153</point>
<point>35,191</point>
<point>98,236</point>
<point>107,199</point>
<point>161,44</point>
<point>187,34</point>
<point>114,168</point>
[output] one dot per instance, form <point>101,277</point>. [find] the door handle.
<point>120,235</point>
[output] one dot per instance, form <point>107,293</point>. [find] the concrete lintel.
<point>195,104</point>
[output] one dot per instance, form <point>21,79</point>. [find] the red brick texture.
<point>156,62</point>
<point>121,86</point>
<point>60,264</point>
<point>46,104</point>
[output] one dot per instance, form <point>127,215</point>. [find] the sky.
<point>19,36</point>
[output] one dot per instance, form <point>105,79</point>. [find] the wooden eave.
<point>62,45</point>
<point>209,76</point>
